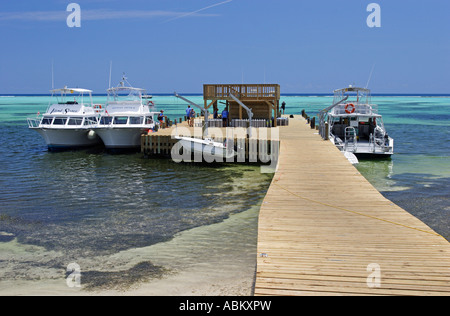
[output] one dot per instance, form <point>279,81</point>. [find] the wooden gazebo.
<point>262,99</point>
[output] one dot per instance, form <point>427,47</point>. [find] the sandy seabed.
<point>213,260</point>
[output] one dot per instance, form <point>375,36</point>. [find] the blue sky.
<point>178,45</point>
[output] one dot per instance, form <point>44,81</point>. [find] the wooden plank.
<point>322,224</point>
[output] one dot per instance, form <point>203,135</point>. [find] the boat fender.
<point>91,134</point>
<point>350,111</point>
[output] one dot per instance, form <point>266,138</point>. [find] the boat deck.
<point>325,230</point>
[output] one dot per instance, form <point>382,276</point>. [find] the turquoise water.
<point>92,208</point>
<point>88,206</point>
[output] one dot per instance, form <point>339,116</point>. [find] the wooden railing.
<point>242,91</point>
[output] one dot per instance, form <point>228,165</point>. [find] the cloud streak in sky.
<point>96,15</point>
<point>197,11</point>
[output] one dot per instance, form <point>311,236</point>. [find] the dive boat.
<point>354,124</point>
<point>68,123</point>
<point>126,117</point>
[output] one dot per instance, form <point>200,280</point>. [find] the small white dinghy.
<point>351,157</point>
<point>206,147</point>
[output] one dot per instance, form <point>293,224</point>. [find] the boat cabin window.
<point>105,120</point>
<point>363,120</point>
<point>60,121</point>
<point>136,120</point>
<point>68,102</point>
<point>90,120</point>
<point>47,120</point>
<point>148,120</point>
<point>75,121</point>
<point>120,120</point>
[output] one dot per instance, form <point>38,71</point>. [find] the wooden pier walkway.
<point>325,230</point>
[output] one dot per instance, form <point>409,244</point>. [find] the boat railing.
<point>371,143</point>
<point>198,122</point>
<point>215,123</point>
<point>364,109</point>
<point>243,91</point>
<point>351,142</point>
<point>90,122</point>
<point>246,123</point>
<point>34,122</point>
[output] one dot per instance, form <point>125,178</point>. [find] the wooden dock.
<point>258,149</point>
<point>325,230</point>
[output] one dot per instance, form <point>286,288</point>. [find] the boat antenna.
<point>124,80</point>
<point>370,77</point>
<point>110,70</point>
<point>53,79</point>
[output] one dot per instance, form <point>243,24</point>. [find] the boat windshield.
<point>47,120</point>
<point>60,121</point>
<point>125,94</point>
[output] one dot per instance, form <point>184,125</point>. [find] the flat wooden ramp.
<point>325,230</point>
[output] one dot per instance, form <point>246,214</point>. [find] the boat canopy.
<point>119,89</point>
<point>71,96</point>
<point>352,89</point>
<point>127,91</point>
<point>362,95</point>
<point>66,90</point>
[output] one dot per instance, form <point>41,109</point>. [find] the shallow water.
<point>126,219</point>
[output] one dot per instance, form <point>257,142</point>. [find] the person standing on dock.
<point>225,117</point>
<point>283,106</point>
<point>188,114</point>
<point>161,118</point>
<point>192,117</point>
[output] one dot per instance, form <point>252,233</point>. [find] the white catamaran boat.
<point>127,116</point>
<point>68,123</point>
<point>355,126</point>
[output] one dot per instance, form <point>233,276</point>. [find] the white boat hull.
<point>121,138</point>
<point>65,138</point>
<point>364,149</point>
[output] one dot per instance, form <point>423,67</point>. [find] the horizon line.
<point>282,94</point>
